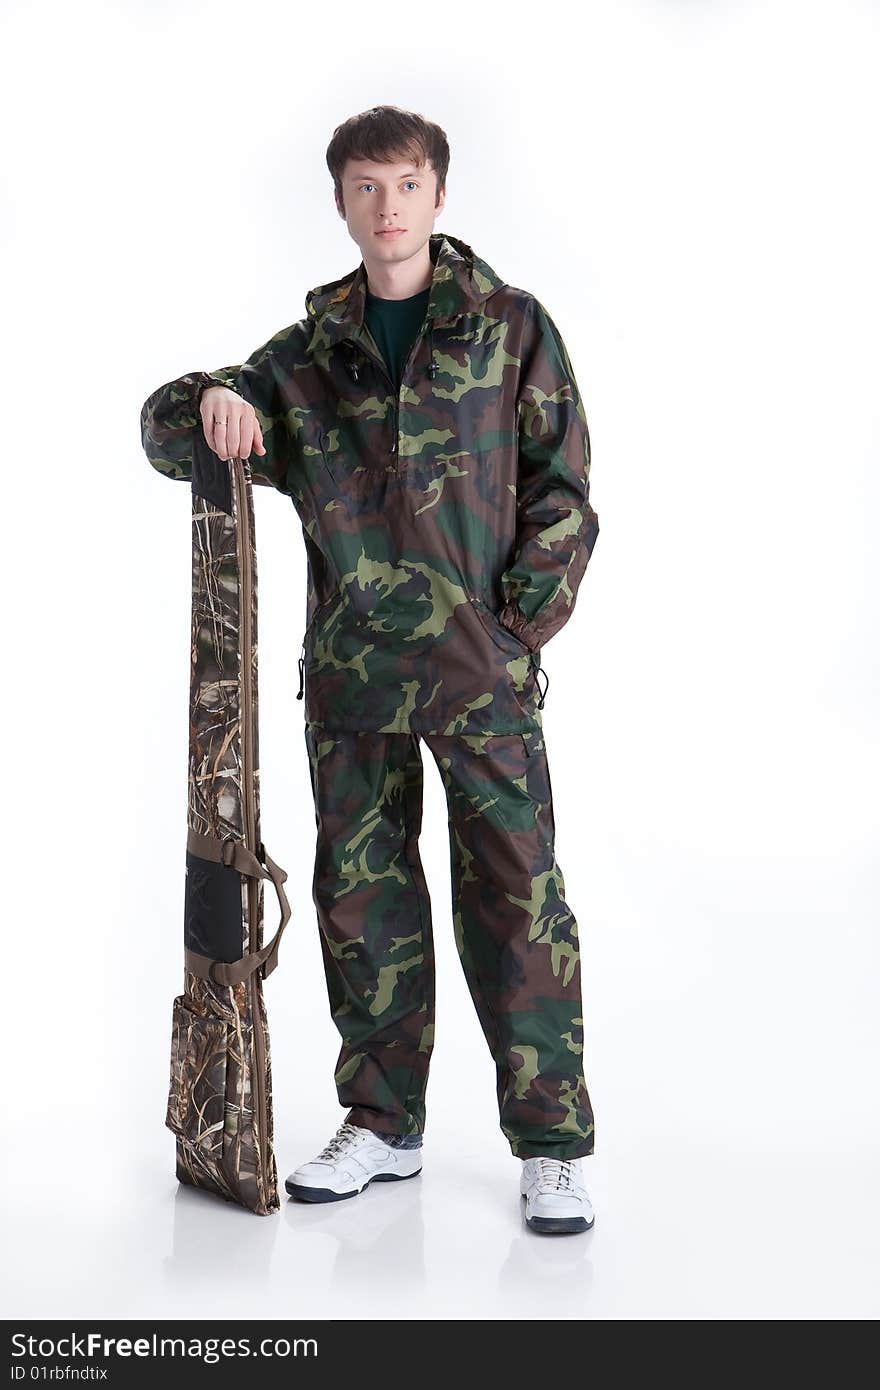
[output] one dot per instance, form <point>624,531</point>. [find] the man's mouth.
<point>390,231</point>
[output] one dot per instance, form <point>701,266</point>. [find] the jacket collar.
<point>460,283</point>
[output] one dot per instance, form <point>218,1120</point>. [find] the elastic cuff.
<point>515,621</point>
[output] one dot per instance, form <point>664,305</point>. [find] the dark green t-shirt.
<point>394,324</point>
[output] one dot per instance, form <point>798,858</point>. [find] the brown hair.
<point>386,133</point>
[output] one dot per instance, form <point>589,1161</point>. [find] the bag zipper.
<point>245,569</point>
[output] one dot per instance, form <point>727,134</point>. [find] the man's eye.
<point>365,185</point>
<point>413,182</point>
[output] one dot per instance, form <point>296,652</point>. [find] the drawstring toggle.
<point>539,670</point>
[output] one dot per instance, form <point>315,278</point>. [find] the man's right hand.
<point>230,424</point>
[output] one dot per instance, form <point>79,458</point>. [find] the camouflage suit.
<point>447,528</point>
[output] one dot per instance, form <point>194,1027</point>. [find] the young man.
<point>425,421</point>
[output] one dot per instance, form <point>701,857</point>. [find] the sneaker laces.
<point>555,1172</point>
<point>344,1137</point>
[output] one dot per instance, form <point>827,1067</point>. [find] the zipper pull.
<point>301,664</point>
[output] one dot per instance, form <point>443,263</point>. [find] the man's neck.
<point>400,280</point>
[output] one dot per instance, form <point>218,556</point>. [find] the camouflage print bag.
<point>220,1092</point>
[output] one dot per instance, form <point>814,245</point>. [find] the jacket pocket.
<point>355,478</point>
<point>501,635</point>
<point>196,1110</point>
<point>333,615</point>
<point>323,608</point>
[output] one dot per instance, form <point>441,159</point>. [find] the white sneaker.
<point>557,1201</point>
<point>353,1159</point>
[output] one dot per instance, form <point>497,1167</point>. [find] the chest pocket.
<point>356,473</point>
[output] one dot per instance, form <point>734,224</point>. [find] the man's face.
<point>378,196</point>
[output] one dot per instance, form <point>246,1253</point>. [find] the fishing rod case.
<point>220,1092</point>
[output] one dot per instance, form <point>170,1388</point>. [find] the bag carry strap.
<point>233,853</point>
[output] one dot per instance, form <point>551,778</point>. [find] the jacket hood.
<point>460,284</point>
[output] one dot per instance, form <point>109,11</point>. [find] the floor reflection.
<point>216,1242</point>
<point>380,1231</point>
<point>547,1276</point>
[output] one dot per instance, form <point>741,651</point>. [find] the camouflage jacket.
<point>448,526</point>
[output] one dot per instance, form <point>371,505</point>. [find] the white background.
<point>691,191</point>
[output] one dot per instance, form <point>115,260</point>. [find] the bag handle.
<point>235,855</point>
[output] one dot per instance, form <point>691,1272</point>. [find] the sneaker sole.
<point>326,1194</point>
<point>558,1225</point>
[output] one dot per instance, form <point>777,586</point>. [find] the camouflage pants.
<point>516,936</point>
